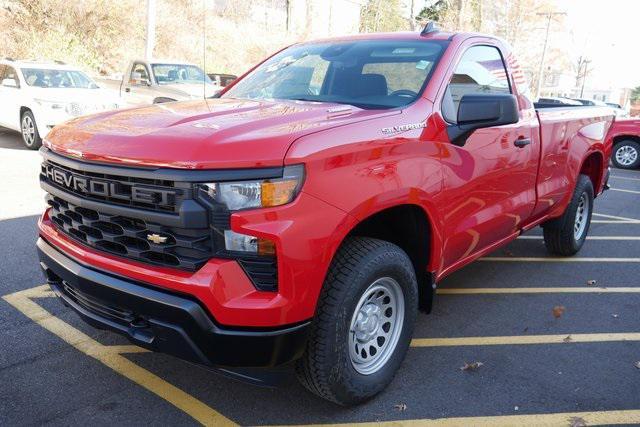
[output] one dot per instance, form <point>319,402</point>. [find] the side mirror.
<point>477,111</point>
<point>10,83</point>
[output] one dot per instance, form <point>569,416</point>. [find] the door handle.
<point>523,142</point>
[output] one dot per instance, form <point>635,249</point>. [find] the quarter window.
<point>481,70</point>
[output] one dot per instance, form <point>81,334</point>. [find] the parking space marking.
<point>588,237</point>
<point>525,339</point>
<point>556,259</point>
<point>112,356</point>
<point>559,419</point>
<point>538,290</point>
<point>621,218</point>
<point>624,177</point>
<point>608,221</point>
<point>625,191</point>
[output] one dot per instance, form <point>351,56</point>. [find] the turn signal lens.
<point>278,193</point>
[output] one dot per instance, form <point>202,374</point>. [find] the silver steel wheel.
<point>626,155</point>
<point>376,326</point>
<point>28,130</point>
<point>582,216</point>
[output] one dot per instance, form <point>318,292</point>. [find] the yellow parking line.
<point>624,177</point>
<point>608,221</point>
<point>524,339</point>
<point>621,218</point>
<point>557,290</point>
<point>588,237</point>
<point>556,259</point>
<point>625,191</point>
<point>111,356</point>
<point>559,419</point>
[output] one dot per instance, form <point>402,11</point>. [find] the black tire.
<point>560,233</point>
<point>632,149</point>
<point>326,368</point>
<point>29,129</point>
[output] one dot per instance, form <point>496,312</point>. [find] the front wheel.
<point>566,235</point>
<point>30,134</point>
<point>626,154</point>
<point>364,322</point>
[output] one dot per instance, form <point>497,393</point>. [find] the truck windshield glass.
<point>376,74</point>
<point>178,73</point>
<point>40,77</point>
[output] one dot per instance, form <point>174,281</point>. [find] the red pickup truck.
<point>624,136</point>
<point>305,214</point>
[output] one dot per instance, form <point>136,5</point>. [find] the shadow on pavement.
<point>11,140</point>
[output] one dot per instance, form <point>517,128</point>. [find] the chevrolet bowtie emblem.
<point>156,238</point>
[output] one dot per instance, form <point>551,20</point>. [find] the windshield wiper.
<point>363,105</point>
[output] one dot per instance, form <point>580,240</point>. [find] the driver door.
<point>490,180</point>
<point>137,86</point>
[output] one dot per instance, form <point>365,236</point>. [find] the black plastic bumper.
<point>163,321</point>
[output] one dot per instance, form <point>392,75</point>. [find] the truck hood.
<point>203,134</point>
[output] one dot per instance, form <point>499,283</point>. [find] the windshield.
<point>178,73</point>
<point>367,73</point>
<point>40,77</point>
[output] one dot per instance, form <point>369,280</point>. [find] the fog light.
<point>238,242</point>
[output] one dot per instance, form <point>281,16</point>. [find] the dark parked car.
<point>222,79</point>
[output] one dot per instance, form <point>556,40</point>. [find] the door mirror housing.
<point>477,111</point>
<point>10,83</point>
<point>137,79</point>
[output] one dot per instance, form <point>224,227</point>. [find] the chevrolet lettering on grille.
<point>106,188</point>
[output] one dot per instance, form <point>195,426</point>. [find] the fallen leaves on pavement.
<point>558,310</point>
<point>577,422</point>
<point>471,366</point>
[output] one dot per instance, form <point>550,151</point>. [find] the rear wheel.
<point>363,324</point>
<point>626,154</point>
<point>30,134</point>
<point>566,235</point>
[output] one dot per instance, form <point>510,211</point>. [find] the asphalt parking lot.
<point>554,347</point>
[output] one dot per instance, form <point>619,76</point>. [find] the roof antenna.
<point>204,49</point>
<point>431,27</point>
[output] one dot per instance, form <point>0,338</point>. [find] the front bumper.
<point>164,321</point>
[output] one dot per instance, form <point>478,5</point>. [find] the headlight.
<point>234,196</point>
<point>54,105</point>
<point>259,193</point>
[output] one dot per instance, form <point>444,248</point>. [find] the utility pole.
<point>584,75</point>
<point>151,29</point>
<point>549,16</point>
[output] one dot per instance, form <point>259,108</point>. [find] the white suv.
<point>34,97</point>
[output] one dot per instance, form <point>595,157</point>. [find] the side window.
<point>139,73</point>
<point>10,73</point>
<point>480,70</point>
